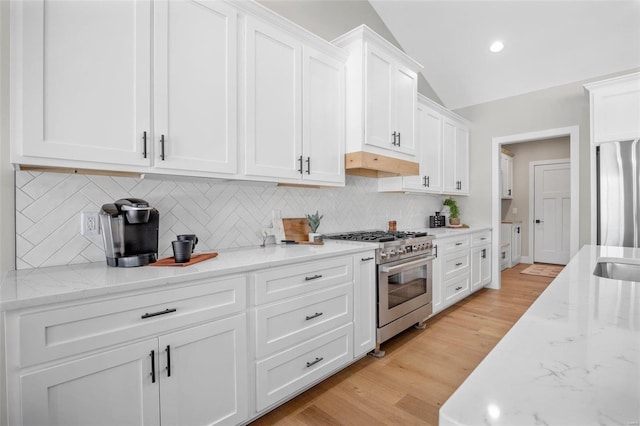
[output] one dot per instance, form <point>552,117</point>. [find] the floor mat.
<point>543,270</point>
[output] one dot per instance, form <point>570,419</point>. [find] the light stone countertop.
<point>39,286</point>
<point>572,359</point>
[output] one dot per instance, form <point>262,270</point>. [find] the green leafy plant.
<point>314,221</point>
<point>453,208</point>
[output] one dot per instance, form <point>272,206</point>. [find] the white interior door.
<point>552,213</point>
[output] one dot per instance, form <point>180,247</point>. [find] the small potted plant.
<point>314,223</point>
<point>454,213</point>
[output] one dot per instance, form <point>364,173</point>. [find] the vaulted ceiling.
<point>547,43</point>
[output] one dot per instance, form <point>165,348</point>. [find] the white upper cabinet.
<point>294,108</point>
<point>195,86</point>
<point>433,122</point>
<point>322,117</point>
<point>456,157</point>
<point>506,176</point>
<point>80,71</point>
<point>381,95</point>
<point>615,108</point>
<point>273,128</point>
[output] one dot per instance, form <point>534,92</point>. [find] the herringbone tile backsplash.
<point>224,214</point>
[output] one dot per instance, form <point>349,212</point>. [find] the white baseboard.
<point>526,259</point>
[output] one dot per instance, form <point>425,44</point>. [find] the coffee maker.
<point>130,232</point>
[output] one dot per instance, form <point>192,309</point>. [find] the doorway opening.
<point>497,144</point>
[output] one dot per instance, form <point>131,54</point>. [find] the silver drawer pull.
<point>458,264</point>
<point>314,362</point>
<point>483,238</point>
<point>364,259</point>
<point>315,277</point>
<point>155,314</point>
<point>458,288</point>
<point>459,244</point>
<point>316,315</point>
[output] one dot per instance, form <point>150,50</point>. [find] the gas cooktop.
<point>376,236</point>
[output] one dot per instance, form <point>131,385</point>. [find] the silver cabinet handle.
<point>458,288</point>
<point>459,244</point>
<point>459,264</point>
<point>364,259</point>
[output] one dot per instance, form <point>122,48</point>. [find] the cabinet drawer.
<point>451,245</point>
<point>72,329</point>
<point>288,372</point>
<point>285,324</point>
<point>481,238</point>
<point>455,264</point>
<point>456,289</point>
<point>279,283</point>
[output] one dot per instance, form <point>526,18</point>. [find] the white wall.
<point>552,108</point>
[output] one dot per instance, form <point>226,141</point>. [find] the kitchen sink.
<point>618,269</point>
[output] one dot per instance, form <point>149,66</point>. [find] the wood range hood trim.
<point>366,164</point>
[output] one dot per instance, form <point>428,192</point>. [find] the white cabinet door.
<point>438,282</point>
<point>112,388</point>
<point>456,158</point>
<point>480,267</point>
<point>195,85</point>
<point>379,99</point>
<point>323,127</point>
<point>364,292</point>
<point>203,373</point>
<point>430,132</point>
<point>273,102</point>
<point>82,73</point>
<point>516,244</point>
<point>404,105</point>
<point>506,170</point>
<point>391,101</point>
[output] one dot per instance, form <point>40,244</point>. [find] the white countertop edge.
<point>50,284</point>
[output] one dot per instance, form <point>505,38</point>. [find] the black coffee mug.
<point>182,251</point>
<point>189,237</point>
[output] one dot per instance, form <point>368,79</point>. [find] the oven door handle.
<point>406,266</point>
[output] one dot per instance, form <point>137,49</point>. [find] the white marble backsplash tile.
<point>224,214</point>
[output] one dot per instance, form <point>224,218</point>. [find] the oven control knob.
<point>392,253</point>
<point>401,250</point>
<point>383,255</point>
<point>415,247</point>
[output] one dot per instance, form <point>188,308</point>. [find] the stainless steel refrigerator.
<point>618,183</point>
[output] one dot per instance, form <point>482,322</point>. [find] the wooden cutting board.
<point>296,229</point>
<point>195,258</point>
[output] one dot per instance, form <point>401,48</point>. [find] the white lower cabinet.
<point>364,303</point>
<point>194,353</point>
<point>308,324</point>
<point>480,260</point>
<point>462,266</point>
<point>194,374</point>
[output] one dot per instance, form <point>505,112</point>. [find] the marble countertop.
<point>572,359</point>
<point>39,286</point>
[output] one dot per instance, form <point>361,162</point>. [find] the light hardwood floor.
<point>421,368</point>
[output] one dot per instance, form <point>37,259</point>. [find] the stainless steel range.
<point>404,261</point>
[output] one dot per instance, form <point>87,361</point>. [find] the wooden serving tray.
<point>195,258</point>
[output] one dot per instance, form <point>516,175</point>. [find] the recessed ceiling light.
<point>496,46</point>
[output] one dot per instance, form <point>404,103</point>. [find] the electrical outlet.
<point>515,210</point>
<point>89,224</point>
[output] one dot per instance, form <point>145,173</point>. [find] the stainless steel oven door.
<point>403,286</point>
